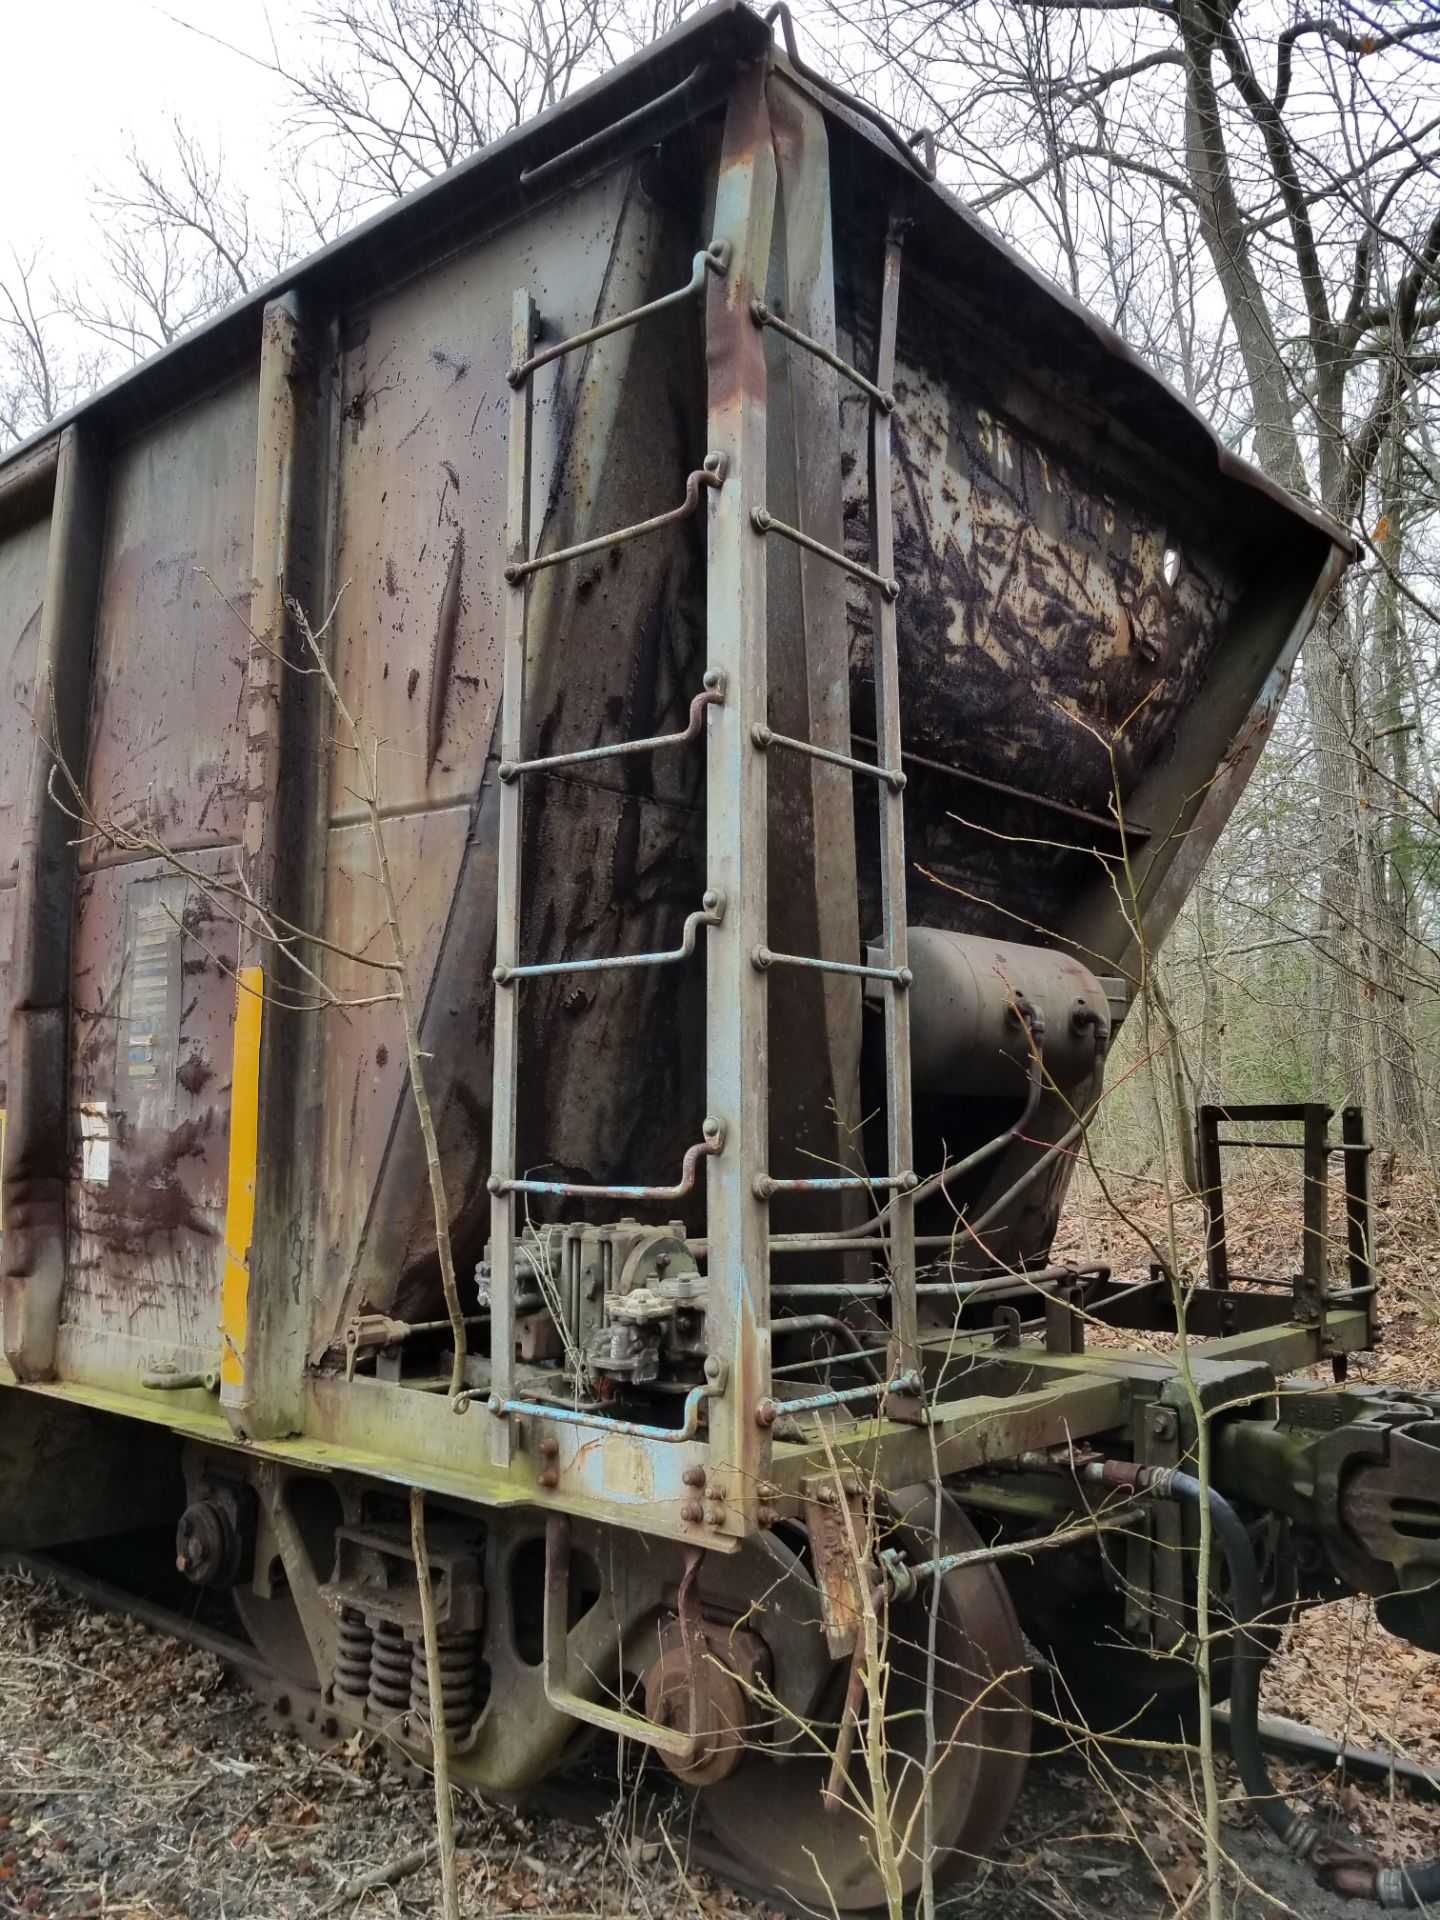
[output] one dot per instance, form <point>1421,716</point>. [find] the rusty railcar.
<point>794,663</point>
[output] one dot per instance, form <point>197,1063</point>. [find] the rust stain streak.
<point>444,652</point>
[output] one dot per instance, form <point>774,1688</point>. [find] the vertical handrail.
<point>507,893</point>
<point>904,1326</point>
<point>1212,1193</point>
<point>737,1093</point>
<point>1311,1285</point>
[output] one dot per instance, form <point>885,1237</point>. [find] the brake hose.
<point>1342,1869</point>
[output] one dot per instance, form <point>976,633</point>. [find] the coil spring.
<point>390,1658</point>
<point>352,1654</point>
<point>458,1654</point>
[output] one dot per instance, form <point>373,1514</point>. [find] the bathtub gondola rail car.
<point>809,658</point>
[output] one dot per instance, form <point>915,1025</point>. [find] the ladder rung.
<point>764,737</point>
<point>769,1411</point>
<point>712,696</point>
<point>714,259</point>
<point>764,957</point>
<point>766,1184</point>
<point>764,521</point>
<point>764,316</point>
<point>710,914</point>
<point>714,1140</point>
<point>712,474</point>
<point>593,1417</point>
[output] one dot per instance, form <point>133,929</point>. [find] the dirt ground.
<point>139,1780</point>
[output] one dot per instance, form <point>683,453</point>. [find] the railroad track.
<point>590,1801</point>
<point>579,1801</point>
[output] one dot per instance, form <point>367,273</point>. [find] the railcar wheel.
<point>771,1815</point>
<point>273,1627</point>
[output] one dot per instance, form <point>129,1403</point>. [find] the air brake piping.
<point>1340,1868</point>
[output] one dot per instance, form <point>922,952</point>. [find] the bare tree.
<point>41,373</point>
<point>1281,170</point>
<point>401,90</point>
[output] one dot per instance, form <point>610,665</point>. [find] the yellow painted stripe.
<point>240,1199</point>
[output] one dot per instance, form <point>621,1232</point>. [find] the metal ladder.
<point>903,1373</point>
<point>728,274</point>
<point>521,566</point>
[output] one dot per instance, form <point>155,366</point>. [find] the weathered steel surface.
<point>167,733</point>
<point>37,1131</point>
<point>24,555</point>
<point>267,1283</point>
<point>23,559</point>
<point>614,653</point>
<point>155,945</point>
<point>811,904</point>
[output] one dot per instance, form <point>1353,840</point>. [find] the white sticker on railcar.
<point>95,1141</point>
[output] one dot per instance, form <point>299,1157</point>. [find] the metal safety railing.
<point>895,975</point>
<point>510,973</point>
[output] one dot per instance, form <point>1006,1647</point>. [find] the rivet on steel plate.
<point>718,465</point>
<point>549,1479</point>
<point>692,1514</point>
<point>693,1476</point>
<point>550,1446</point>
<point>761,735</point>
<point>761,957</point>
<point>763,1186</point>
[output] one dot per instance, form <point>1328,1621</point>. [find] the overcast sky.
<point>82,75</point>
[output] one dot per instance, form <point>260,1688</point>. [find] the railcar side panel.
<point>24,555</point>
<point>154,947</point>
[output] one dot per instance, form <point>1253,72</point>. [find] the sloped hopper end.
<point>981,1010</point>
